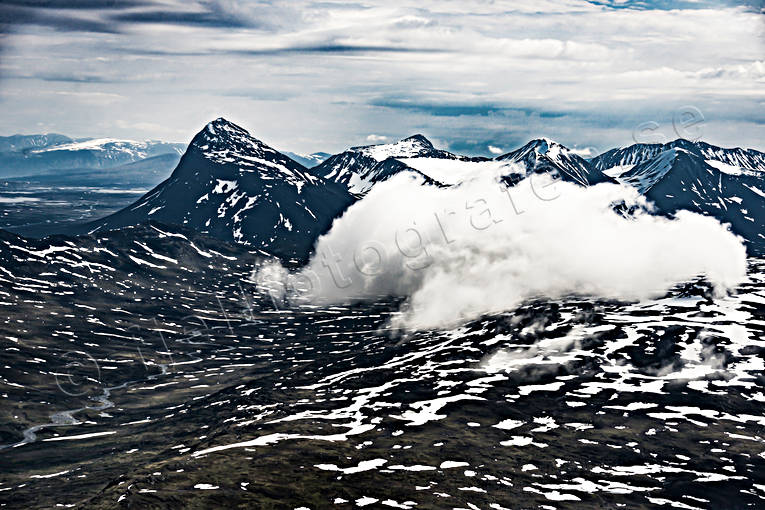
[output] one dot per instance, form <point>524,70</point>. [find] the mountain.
<point>544,155</point>
<point>733,161</point>
<point>20,143</point>
<point>737,160</point>
<point>360,168</point>
<point>234,187</point>
<point>144,173</point>
<point>48,154</point>
<point>308,160</point>
<point>724,183</point>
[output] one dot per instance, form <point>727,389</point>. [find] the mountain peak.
<point>222,127</point>
<point>536,148</point>
<point>222,138</point>
<point>543,154</point>
<point>410,147</point>
<point>542,145</point>
<point>231,146</point>
<point>646,174</point>
<point>682,143</point>
<point>418,138</point>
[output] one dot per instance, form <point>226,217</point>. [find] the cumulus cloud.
<point>376,138</point>
<point>480,247</point>
<point>495,150</point>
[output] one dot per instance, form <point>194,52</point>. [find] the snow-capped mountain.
<point>544,155</point>
<point>648,172</point>
<point>733,161</point>
<point>234,187</point>
<point>359,168</point>
<point>724,183</point>
<point>48,154</point>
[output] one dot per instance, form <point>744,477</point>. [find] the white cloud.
<point>585,152</point>
<point>495,150</point>
<point>376,138</point>
<point>478,248</point>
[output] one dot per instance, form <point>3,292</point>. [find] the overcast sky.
<point>309,76</point>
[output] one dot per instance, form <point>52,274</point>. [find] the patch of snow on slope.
<point>224,186</point>
<point>95,144</point>
<point>756,190</point>
<point>616,171</point>
<point>410,147</point>
<point>724,167</point>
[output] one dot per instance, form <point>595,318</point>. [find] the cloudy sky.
<point>309,76</point>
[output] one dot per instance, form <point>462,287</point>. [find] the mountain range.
<point>360,168</point>
<point>55,158</point>
<point>232,186</point>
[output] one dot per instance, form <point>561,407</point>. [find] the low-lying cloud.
<point>480,247</point>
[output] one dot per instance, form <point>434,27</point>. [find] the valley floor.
<point>188,390</point>
<point>28,208</point>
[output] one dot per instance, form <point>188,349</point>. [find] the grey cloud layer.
<point>321,75</point>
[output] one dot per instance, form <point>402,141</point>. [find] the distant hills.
<point>309,160</point>
<point>58,159</point>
